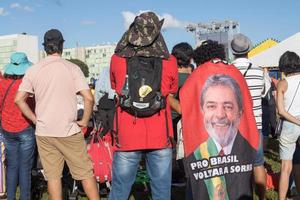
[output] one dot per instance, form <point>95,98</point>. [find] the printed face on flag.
<point>221,113</point>
<point>219,132</point>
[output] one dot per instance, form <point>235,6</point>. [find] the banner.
<point>219,132</point>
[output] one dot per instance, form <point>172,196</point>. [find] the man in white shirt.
<point>240,46</point>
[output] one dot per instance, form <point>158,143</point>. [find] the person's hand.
<point>82,123</point>
<point>93,131</point>
<point>34,120</point>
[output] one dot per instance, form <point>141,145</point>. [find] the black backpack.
<point>104,117</point>
<point>141,94</point>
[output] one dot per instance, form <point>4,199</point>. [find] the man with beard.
<point>221,104</point>
<point>240,46</point>
<point>226,157</point>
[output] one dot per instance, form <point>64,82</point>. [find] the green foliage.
<point>272,155</point>
<point>84,68</point>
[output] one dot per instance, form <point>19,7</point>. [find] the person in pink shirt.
<point>55,83</point>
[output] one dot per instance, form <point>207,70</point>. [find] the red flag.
<point>194,132</point>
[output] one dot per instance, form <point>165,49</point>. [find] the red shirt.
<point>144,133</point>
<point>12,118</point>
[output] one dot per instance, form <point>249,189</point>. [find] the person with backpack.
<point>55,82</point>
<point>240,46</point>
<point>17,130</point>
<point>143,73</point>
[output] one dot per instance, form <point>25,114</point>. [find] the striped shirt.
<point>255,81</point>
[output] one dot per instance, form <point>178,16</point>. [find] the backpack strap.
<point>249,66</point>
<point>116,133</point>
<point>4,97</point>
<point>167,127</point>
<point>294,96</point>
<point>169,139</point>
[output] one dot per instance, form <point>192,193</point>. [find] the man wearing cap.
<point>240,46</point>
<point>55,83</point>
<point>148,136</point>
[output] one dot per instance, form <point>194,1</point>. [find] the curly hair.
<point>183,53</point>
<point>208,50</point>
<point>289,62</point>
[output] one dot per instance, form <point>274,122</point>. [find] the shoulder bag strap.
<point>294,97</point>
<point>4,97</point>
<point>249,66</point>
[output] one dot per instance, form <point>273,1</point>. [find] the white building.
<point>97,57</point>
<point>94,56</point>
<point>21,43</point>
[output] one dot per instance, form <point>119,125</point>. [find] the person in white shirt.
<point>240,46</point>
<point>288,106</point>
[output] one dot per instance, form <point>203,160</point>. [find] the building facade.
<point>94,56</point>
<point>21,43</point>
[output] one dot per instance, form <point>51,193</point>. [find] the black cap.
<point>53,36</point>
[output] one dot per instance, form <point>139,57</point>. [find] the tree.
<point>84,68</point>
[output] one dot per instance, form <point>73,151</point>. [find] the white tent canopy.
<point>270,57</point>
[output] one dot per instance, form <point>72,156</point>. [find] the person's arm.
<point>88,107</point>
<point>20,101</point>
<point>174,104</point>
<point>281,89</point>
<point>273,91</point>
<point>173,77</point>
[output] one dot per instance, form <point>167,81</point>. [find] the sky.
<point>92,22</point>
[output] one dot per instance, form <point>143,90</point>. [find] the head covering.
<point>143,38</point>
<point>53,36</point>
<point>18,65</point>
<point>240,44</point>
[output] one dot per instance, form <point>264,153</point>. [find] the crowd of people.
<point>193,97</point>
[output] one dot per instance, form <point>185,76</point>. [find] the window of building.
<point>67,53</point>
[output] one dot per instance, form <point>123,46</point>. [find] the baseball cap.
<point>53,36</point>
